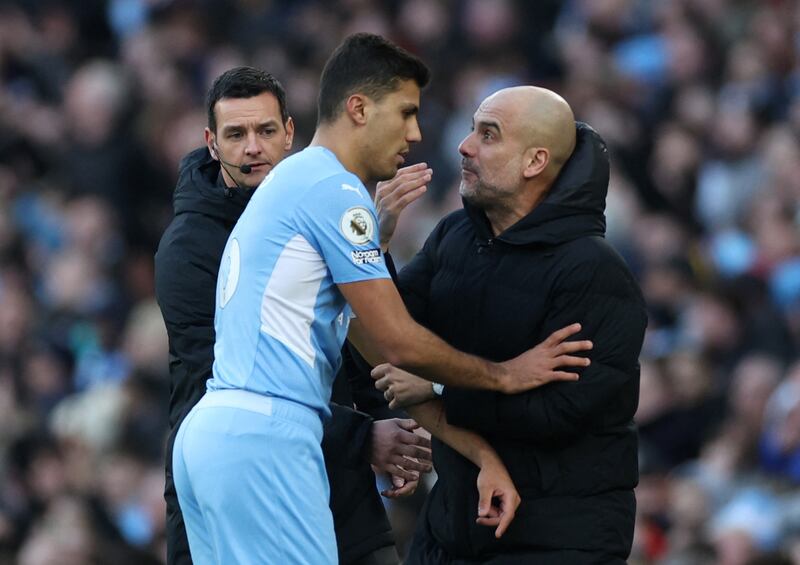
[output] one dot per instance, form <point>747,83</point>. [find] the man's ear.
<point>289,134</point>
<point>211,143</point>
<point>535,161</point>
<point>356,106</point>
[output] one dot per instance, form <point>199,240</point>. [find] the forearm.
<point>421,352</point>
<point>430,357</point>
<point>431,416</point>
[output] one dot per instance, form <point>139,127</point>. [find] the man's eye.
<point>235,135</point>
<point>268,132</point>
<point>487,134</point>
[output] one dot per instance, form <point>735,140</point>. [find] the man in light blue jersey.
<point>302,267</point>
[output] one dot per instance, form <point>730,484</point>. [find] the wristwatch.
<point>438,389</point>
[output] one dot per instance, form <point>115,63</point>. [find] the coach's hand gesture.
<point>545,362</point>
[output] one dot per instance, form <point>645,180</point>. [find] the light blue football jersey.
<point>280,318</point>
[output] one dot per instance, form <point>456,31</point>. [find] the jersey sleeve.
<point>338,218</point>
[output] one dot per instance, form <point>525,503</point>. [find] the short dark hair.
<point>366,63</point>
<point>244,82</point>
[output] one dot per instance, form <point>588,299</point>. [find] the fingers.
<point>426,439</point>
<point>489,521</point>
<point>410,438</point>
<point>398,471</point>
<point>421,466</point>
<point>506,517</point>
<point>383,384</point>
<point>502,515</point>
<point>380,371</point>
<point>571,361</point>
<point>412,451</point>
<point>410,176</point>
<point>560,335</point>
<point>403,189</point>
<point>400,186</point>
<point>574,346</point>
<point>411,196</point>
<point>410,169</point>
<point>406,489</point>
<point>563,376</point>
<point>407,424</point>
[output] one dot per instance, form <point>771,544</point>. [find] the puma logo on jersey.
<point>351,188</point>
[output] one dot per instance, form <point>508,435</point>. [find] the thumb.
<point>484,501</point>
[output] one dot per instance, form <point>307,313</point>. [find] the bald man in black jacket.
<point>523,258</point>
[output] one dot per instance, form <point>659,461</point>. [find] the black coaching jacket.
<point>571,447</point>
<point>187,264</point>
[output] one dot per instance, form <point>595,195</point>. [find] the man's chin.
<point>252,185</point>
<point>388,174</point>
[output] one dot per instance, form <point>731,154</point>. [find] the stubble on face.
<point>477,191</point>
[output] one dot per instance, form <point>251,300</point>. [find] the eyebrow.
<point>238,127</point>
<point>487,124</point>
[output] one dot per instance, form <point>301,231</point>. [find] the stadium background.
<point>699,101</point>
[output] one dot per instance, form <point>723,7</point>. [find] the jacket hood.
<point>573,207</point>
<point>201,189</point>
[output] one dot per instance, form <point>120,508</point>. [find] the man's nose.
<point>414,135</point>
<point>252,147</point>
<point>466,146</point>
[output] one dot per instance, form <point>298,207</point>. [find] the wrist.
<point>499,378</point>
<point>486,457</point>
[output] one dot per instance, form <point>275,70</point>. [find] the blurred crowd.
<point>699,101</point>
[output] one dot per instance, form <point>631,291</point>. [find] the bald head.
<point>541,118</point>
<point>520,139</point>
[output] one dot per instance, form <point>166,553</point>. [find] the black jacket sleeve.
<point>347,437</point>
<point>603,297</point>
<point>185,292</point>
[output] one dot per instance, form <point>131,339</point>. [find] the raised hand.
<point>392,197</point>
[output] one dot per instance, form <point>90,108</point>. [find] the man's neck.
<point>502,219</point>
<point>506,214</point>
<point>334,138</point>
